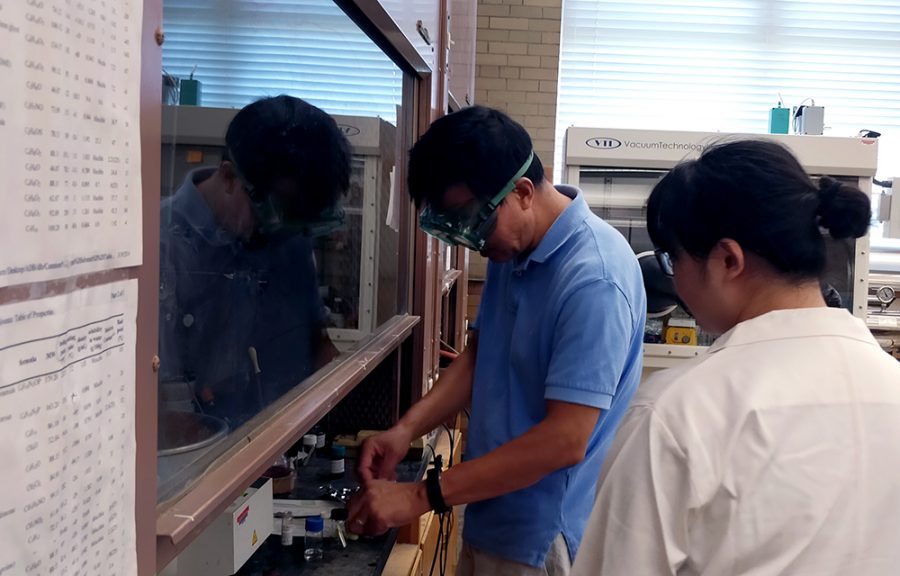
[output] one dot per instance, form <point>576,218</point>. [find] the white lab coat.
<point>778,452</point>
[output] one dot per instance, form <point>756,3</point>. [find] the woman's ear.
<point>728,259</point>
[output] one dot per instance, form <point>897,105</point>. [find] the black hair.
<point>478,147</point>
<point>285,137</point>
<point>756,193</point>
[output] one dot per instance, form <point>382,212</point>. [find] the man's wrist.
<point>421,495</point>
<point>405,430</point>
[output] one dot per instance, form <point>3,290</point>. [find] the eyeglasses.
<point>469,227</point>
<point>665,262</point>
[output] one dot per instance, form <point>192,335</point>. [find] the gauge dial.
<point>885,294</point>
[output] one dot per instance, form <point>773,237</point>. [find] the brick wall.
<point>516,70</point>
<point>517,65</point>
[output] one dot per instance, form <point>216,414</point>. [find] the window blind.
<point>246,49</point>
<point>720,66</point>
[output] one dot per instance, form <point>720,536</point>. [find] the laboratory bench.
<point>362,557</point>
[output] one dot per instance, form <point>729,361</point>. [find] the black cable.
<point>883,183</point>
<point>450,436</point>
<point>437,462</point>
<point>442,548</point>
<point>438,547</point>
<point>445,520</point>
<point>434,558</point>
<point>447,533</point>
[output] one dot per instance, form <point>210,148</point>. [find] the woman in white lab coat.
<point>778,451</point>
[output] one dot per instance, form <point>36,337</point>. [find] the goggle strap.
<point>510,186</point>
<point>250,188</point>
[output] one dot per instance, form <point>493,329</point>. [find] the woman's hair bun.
<point>844,210</point>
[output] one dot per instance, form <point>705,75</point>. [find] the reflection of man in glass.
<point>241,319</point>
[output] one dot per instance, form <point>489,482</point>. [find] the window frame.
<point>165,529</point>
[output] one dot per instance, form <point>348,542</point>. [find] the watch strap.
<point>433,490</point>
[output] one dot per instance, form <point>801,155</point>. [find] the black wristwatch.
<point>433,490</point>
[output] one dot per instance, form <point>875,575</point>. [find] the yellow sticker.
<point>255,539</point>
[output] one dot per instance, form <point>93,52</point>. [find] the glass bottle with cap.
<point>309,447</point>
<point>320,437</point>
<point>287,535</point>
<point>313,544</point>
<point>338,453</point>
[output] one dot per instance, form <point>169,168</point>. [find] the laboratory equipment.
<point>617,169</point>
<point>183,438</point>
<point>287,531</point>
<point>336,466</point>
<point>189,93</point>
<point>884,310</point>
<point>661,297</point>
<point>889,209</point>
<point>169,89</point>
<point>282,476</point>
<point>809,120</point>
<point>309,448</point>
<point>779,120</point>
<point>233,537</point>
<point>313,544</point>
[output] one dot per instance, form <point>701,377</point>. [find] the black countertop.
<point>362,557</point>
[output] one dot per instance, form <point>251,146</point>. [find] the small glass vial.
<point>313,545</point>
<point>309,443</point>
<point>320,437</point>
<point>337,461</point>
<point>287,532</point>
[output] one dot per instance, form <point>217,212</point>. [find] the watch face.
<point>885,294</point>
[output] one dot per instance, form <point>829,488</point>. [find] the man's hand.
<point>381,453</point>
<point>381,505</point>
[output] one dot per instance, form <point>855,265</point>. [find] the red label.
<point>243,515</point>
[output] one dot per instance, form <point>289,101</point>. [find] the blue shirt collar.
<point>190,204</point>
<point>561,229</point>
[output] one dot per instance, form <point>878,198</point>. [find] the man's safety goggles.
<point>275,219</point>
<point>472,225</point>
<point>278,217</point>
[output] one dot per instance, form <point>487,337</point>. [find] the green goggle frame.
<point>469,228</point>
<point>272,219</point>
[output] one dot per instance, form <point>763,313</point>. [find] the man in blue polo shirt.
<point>237,267</point>
<point>554,358</point>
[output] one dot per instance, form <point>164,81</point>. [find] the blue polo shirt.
<point>566,323</point>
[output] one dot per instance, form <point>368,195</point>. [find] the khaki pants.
<point>473,562</point>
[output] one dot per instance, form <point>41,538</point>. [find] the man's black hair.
<point>478,147</point>
<point>756,193</point>
<point>286,138</point>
